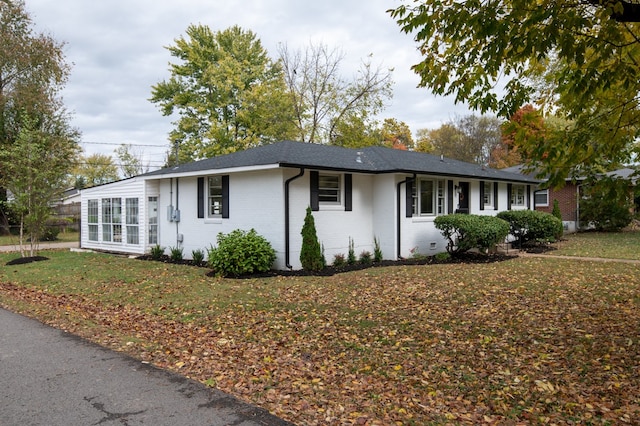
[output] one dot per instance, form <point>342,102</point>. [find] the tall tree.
<point>33,120</point>
<point>396,134</point>
<point>526,123</point>
<point>322,99</point>
<point>95,169</point>
<point>355,131</point>
<point>35,166</point>
<point>227,93</point>
<point>469,138</point>
<point>130,161</point>
<point>578,60</point>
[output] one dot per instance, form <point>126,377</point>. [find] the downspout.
<point>399,219</point>
<point>177,214</point>
<point>286,217</point>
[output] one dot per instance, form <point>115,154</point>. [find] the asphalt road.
<point>53,378</point>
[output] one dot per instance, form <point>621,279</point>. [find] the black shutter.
<point>529,197</point>
<point>200,197</point>
<point>449,196</point>
<point>315,189</point>
<point>509,189</point>
<point>481,195</point>
<point>409,197</point>
<point>225,196</point>
<point>495,195</point>
<point>348,182</point>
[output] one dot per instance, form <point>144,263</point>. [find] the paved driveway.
<point>53,378</point>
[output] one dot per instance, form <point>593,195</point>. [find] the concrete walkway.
<point>42,246</point>
<point>585,259</point>
<point>53,378</point>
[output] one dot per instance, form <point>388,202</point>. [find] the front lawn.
<point>611,245</point>
<point>528,340</point>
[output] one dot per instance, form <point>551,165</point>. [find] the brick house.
<point>568,197</point>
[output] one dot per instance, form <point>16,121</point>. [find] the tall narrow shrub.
<point>311,253</point>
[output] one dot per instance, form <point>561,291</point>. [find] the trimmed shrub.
<point>466,231</point>
<point>532,225</point>
<point>311,256</point>
<point>240,253</point>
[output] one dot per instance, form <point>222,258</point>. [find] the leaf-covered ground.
<point>528,340</point>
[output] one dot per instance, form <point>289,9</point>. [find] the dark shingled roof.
<point>373,159</point>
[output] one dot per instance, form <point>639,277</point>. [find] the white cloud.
<point>118,52</point>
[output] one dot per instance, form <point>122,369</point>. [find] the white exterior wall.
<point>384,213</point>
<point>130,188</point>
<point>333,224</point>
<point>256,200</point>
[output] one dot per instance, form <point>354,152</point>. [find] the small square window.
<point>329,189</point>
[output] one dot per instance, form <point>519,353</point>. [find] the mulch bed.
<point>468,257</point>
<point>25,260</point>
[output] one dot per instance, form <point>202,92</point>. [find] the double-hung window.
<point>487,194</point>
<point>152,215</point>
<point>429,197</point>
<point>215,198</point>
<point>131,207</point>
<point>92,219</point>
<point>112,220</point>
<point>518,195</point>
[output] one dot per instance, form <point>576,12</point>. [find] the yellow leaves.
<point>546,387</point>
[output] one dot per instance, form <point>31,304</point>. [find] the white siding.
<point>256,201</point>
<point>130,188</point>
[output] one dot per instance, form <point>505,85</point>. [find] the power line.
<point>124,143</point>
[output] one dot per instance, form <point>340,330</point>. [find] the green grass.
<point>614,245</point>
<point>528,340</point>
<point>9,240</point>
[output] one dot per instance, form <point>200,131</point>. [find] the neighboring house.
<point>568,196</point>
<point>387,194</point>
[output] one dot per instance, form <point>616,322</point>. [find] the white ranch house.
<point>362,194</point>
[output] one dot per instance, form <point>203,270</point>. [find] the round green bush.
<point>241,253</point>
<point>466,231</point>
<point>532,225</point>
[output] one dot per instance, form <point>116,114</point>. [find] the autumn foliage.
<point>525,341</point>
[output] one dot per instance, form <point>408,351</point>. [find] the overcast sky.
<point>117,50</point>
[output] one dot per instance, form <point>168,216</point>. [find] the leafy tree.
<point>424,141</point>
<point>311,256</point>
<point>396,134</point>
<point>572,59</point>
<point>34,126</point>
<point>35,166</point>
<point>226,91</point>
<point>130,161</point>
<point>526,124</point>
<point>468,138</point>
<point>606,204</point>
<point>95,169</point>
<point>353,131</point>
<point>322,99</point>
